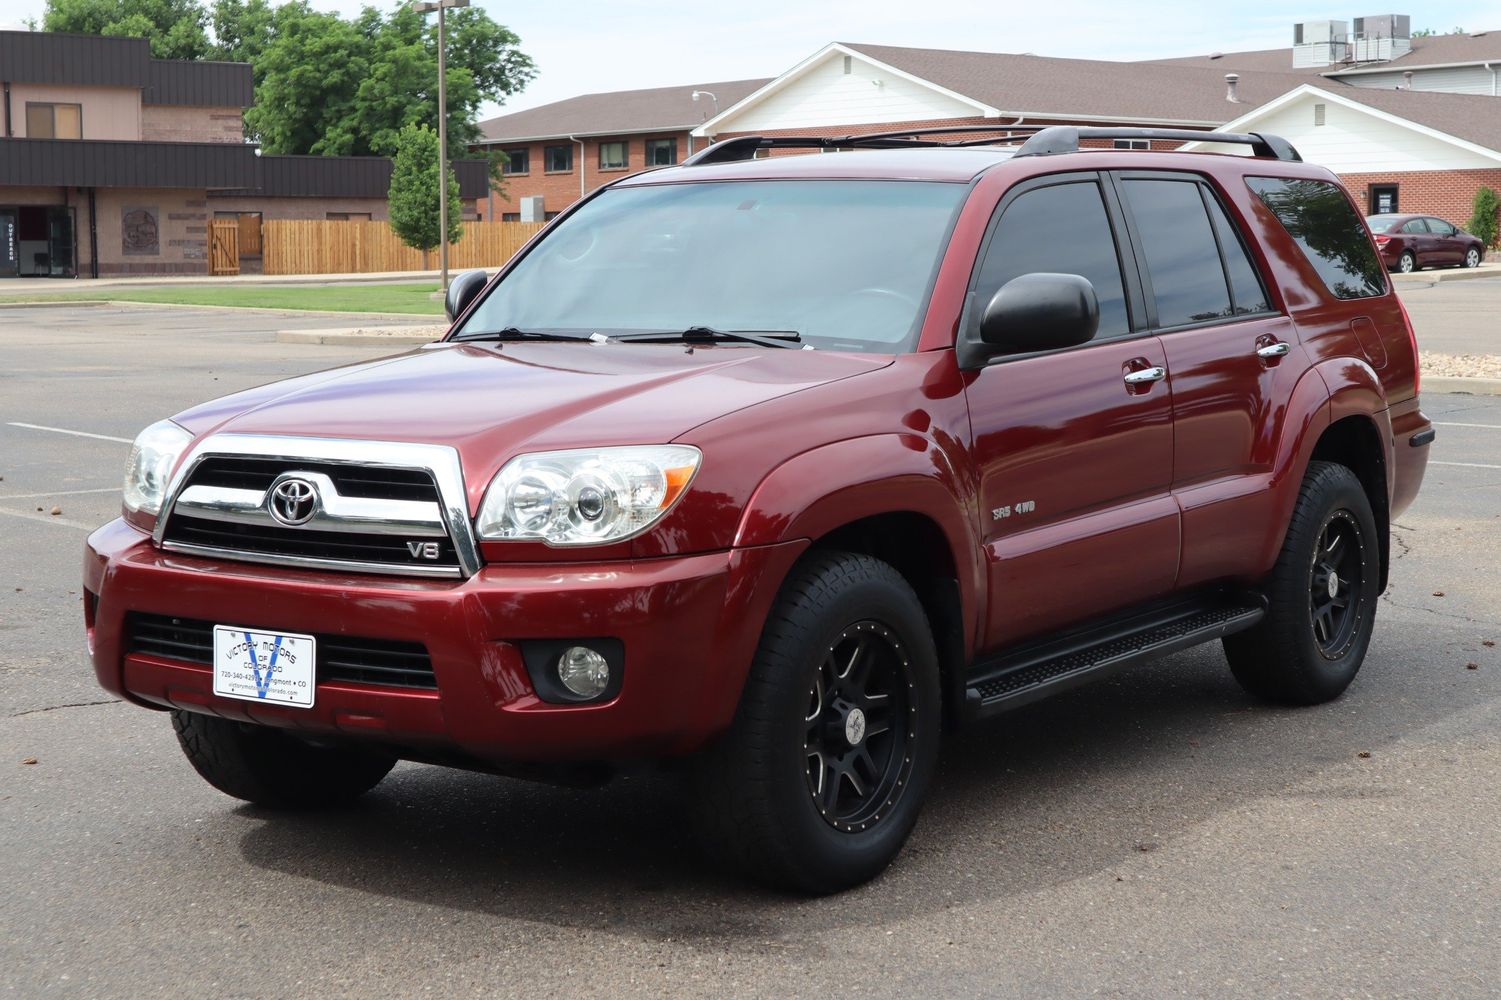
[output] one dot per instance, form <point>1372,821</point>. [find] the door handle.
<point>1146,376</point>
<point>1270,351</point>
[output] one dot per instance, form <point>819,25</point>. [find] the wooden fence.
<point>315,246</point>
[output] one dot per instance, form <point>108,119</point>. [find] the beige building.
<point>112,162</point>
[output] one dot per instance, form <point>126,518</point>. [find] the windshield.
<point>1382,223</point>
<point>845,264</point>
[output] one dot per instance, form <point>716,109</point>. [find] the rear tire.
<point>271,768</point>
<point>1408,262</point>
<point>1321,595</point>
<point>800,793</point>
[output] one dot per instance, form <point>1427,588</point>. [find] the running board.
<point>1041,669</point>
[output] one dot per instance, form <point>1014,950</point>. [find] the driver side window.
<point>1062,228</point>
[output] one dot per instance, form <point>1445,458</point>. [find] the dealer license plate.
<point>273,667</point>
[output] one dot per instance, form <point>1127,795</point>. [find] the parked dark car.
<point>777,468</point>
<point>1408,242</point>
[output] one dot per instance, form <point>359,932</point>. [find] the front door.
<point>1075,462</point>
<point>1225,347</point>
<point>61,244</point>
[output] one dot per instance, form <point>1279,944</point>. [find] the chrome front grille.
<point>378,507</point>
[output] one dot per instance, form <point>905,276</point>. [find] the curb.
<point>127,304</point>
<point>354,336</point>
<point>1464,386</point>
<point>1460,274</point>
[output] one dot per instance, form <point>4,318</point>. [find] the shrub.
<point>1483,223</point>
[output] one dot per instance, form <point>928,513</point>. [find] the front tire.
<point>1408,262</point>
<point>271,768</point>
<point>1472,257</point>
<point>819,780</point>
<point>1321,596</point>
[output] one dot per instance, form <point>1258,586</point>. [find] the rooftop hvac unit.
<point>1318,32</point>
<point>1383,26</point>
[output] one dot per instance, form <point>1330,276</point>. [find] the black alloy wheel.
<point>1335,582</point>
<point>860,724</point>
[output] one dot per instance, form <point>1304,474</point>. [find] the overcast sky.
<point>585,46</point>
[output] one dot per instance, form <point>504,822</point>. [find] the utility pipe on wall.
<point>582,192</point>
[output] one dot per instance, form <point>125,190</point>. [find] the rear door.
<point>1074,459</point>
<point>1225,346</point>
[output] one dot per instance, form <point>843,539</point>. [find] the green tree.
<point>310,71</point>
<point>1483,223</point>
<point>176,29</point>
<point>242,30</point>
<point>414,191</point>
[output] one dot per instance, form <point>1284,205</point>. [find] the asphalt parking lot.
<point>1155,835</point>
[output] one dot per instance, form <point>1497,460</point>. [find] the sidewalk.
<point>34,286</point>
<point>1487,270</point>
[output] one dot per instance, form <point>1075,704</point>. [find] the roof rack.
<point>1065,139</point>
<point>1036,140</point>
<point>745,147</point>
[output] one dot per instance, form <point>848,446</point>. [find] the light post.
<point>696,95</point>
<point>440,6</point>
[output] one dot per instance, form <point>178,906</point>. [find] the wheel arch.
<point>1355,442</point>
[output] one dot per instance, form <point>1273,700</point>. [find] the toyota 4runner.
<point>779,466</point>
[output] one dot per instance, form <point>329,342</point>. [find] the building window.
<point>54,121</point>
<point>518,161</point>
<point>510,217</point>
<point>1133,144</point>
<point>549,216</point>
<point>558,159</point>
<point>612,155</point>
<point>347,216</point>
<point>661,152</point>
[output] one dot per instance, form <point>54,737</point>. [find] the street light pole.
<point>425,8</point>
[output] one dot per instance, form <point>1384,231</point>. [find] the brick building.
<point>1407,122</point>
<point>113,162</point>
<point>560,151</point>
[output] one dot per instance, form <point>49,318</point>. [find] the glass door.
<point>60,242</point>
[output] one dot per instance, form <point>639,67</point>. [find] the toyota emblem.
<point>293,501</point>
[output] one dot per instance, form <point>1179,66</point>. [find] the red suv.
<point>776,468</point>
<point>1409,242</point>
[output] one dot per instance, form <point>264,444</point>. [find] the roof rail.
<point>745,147</point>
<point>1065,139</point>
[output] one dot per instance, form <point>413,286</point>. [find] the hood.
<point>492,401</point>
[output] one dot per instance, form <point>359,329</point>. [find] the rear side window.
<point>1415,226</point>
<point>1181,252</point>
<point>1318,216</point>
<point>1061,229</point>
<point>1246,288</point>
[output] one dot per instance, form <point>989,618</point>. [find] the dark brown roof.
<point>97,61</point>
<point>659,109</point>
<point>1044,86</point>
<point>1427,51</point>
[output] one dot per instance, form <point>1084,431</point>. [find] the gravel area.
<point>1460,365</point>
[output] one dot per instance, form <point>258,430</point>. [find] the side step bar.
<point>1023,676</point>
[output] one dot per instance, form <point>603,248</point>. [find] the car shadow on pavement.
<point>1076,785</point>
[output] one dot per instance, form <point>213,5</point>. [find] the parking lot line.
<point>58,493</point>
<point>1468,465</point>
<point>49,519</point>
<point>64,430</point>
<point>1450,423</point>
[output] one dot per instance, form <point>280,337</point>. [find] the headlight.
<point>587,496</point>
<point>155,451</point>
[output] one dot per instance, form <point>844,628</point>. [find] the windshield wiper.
<point>765,338</point>
<point>512,333</point>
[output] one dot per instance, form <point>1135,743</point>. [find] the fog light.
<point>583,671</point>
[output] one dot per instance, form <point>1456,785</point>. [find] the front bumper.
<point>689,626</point>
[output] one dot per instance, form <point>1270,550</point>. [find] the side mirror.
<point>462,291</point>
<point>1041,312</point>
